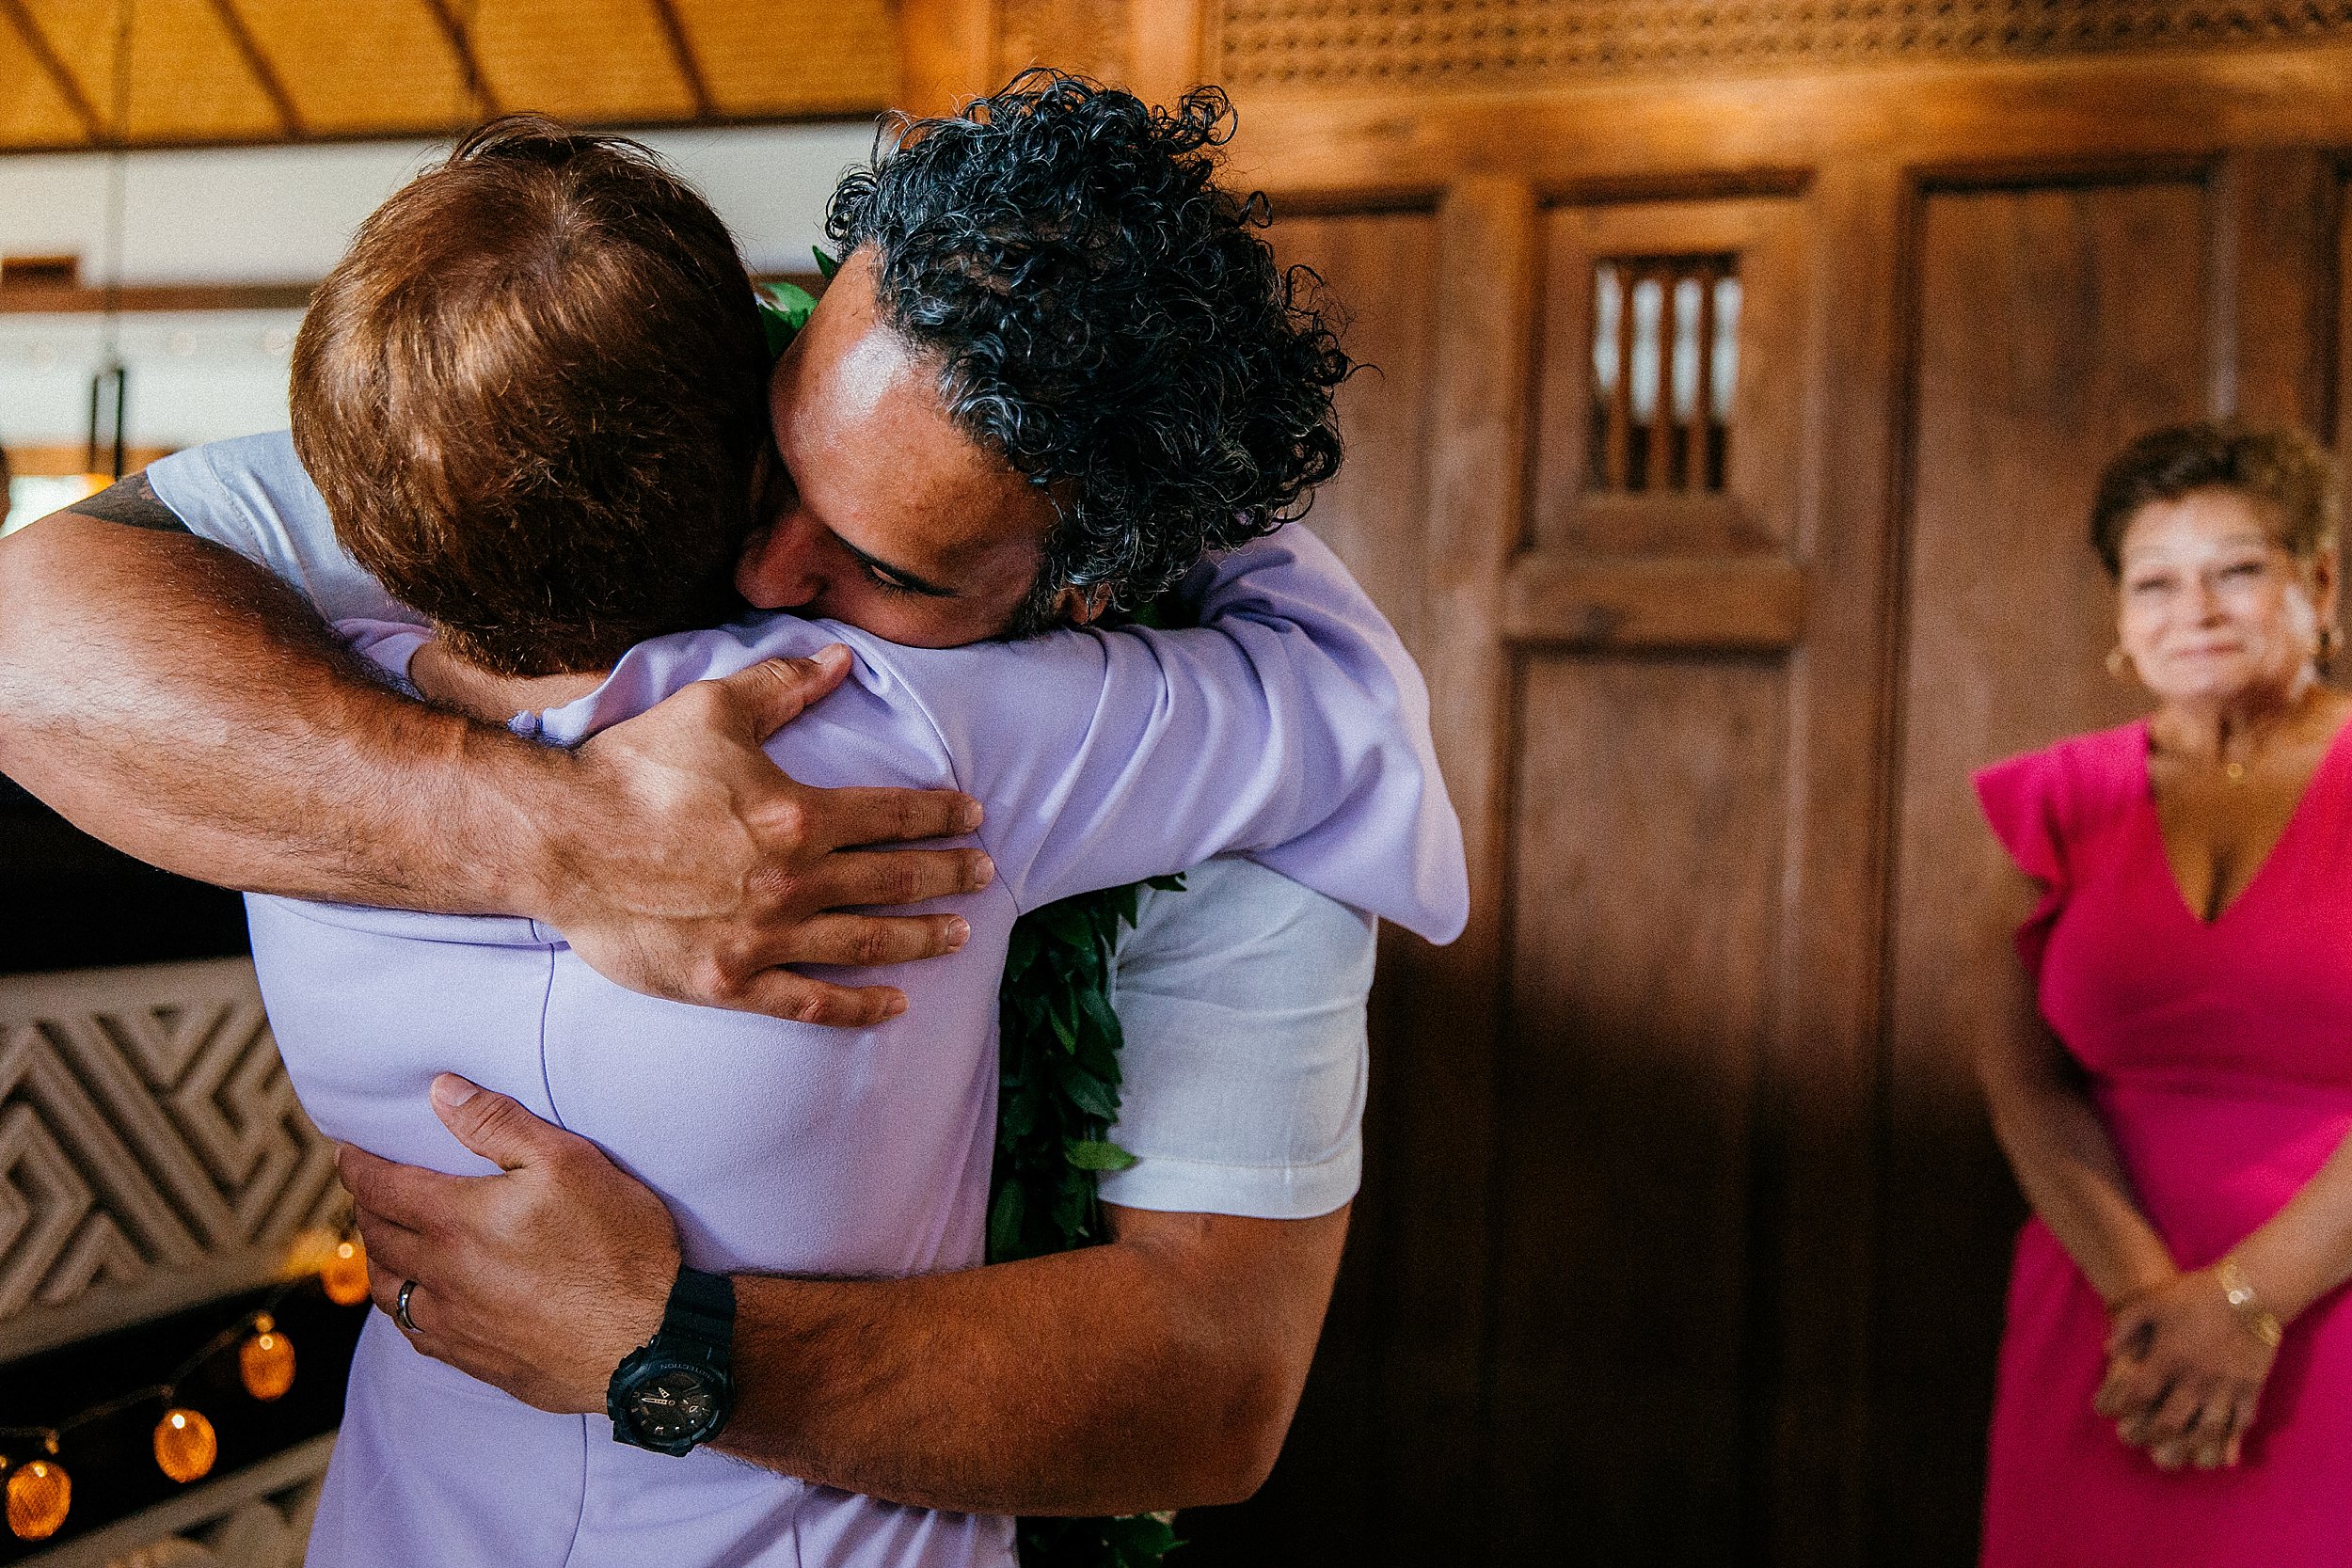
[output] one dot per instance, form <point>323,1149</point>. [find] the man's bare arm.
<point>1160,1371</point>
<point>180,703</point>
<point>188,722</point>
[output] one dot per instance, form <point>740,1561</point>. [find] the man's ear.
<point>1083,604</point>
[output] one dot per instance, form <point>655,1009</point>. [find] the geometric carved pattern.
<point>1496,43</point>
<point>146,1124</point>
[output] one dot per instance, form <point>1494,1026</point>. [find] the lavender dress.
<point>1293,727</point>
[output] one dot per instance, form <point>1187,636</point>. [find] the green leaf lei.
<point>1058,1095</point>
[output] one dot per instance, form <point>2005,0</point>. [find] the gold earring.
<point>2118,663</point>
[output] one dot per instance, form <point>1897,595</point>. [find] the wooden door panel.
<point>1377,269</point>
<point>1322,1503</point>
<point>2054,323</point>
<point>1650,796</point>
<point>1570,508</point>
<point>2335,417</point>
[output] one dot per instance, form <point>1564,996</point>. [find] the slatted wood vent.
<point>1665,363</point>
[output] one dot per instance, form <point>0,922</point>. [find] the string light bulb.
<point>266,1360</point>
<point>344,1274</point>
<point>185,1445</point>
<point>39,1493</point>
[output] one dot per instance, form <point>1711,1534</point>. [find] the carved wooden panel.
<point>1665,358</point>
<point>2054,325</point>
<point>1647,846</point>
<point>1469,44</point>
<point>147,1128</point>
<point>1646,442</point>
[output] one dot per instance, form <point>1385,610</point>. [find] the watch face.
<point>674,1405</point>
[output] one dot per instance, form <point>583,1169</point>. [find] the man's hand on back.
<point>1159,1370</point>
<point>697,868</point>
<point>176,701</point>
<point>539,1280</point>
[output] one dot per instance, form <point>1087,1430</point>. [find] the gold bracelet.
<point>2259,1320</point>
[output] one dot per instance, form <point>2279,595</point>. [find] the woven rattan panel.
<point>1500,44</point>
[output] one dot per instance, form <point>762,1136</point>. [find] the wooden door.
<point>1683,1237</point>
<point>1577,486</point>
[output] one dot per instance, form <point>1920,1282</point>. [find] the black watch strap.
<point>702,1308</point>
<point>696,1339</point>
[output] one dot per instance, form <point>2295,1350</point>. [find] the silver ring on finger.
<point>400,1306</point>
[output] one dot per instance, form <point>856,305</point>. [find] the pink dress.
<point>2220,1059</point>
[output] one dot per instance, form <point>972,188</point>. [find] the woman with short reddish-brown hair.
<point>2174,1090</point>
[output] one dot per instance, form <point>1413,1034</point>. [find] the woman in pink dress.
<point>2173,1087</point>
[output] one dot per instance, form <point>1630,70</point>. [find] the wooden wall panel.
<point>1438,1232</point>
<point>1462,46</point>
<point>2006,270</point>
<point>1092,38</point>
<point>2271,264</point>
<point>1322,1504</point>
<point>1376,270</point>
<point>2336,424</point>
<point>2054,323</point>
<point>1645,858</point>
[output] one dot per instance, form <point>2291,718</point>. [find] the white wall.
<point>283,215</point>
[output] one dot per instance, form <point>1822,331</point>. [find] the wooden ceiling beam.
<point>468,63</point>
<point>690,69</point>
<point>37,44</point>
<point>263,72</point>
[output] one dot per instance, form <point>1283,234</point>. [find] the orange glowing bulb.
<point>266,1360</point>
<point>184,1445</point>
<point>38,1496</point>
<point>345,1274</point>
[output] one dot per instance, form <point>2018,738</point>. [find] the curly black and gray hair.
<point>1107,318</point>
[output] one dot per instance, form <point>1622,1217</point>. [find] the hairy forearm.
<point>181,704</point>
<point>1158,1371</point>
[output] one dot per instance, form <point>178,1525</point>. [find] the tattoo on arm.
<point>133,503</point>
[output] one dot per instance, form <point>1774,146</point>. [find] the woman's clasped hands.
<point>2186,1369</point>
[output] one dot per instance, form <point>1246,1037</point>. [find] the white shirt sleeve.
<point>1243,1001</point>
<point>251,496</point>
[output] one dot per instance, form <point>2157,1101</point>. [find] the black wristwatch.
<point>673,1392</point>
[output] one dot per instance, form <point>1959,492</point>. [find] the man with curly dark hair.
<point>1056,365</point>
<point>1104,314</point>
<point>1059,272</point>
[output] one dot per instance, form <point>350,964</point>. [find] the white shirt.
<point>1243,997</point>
